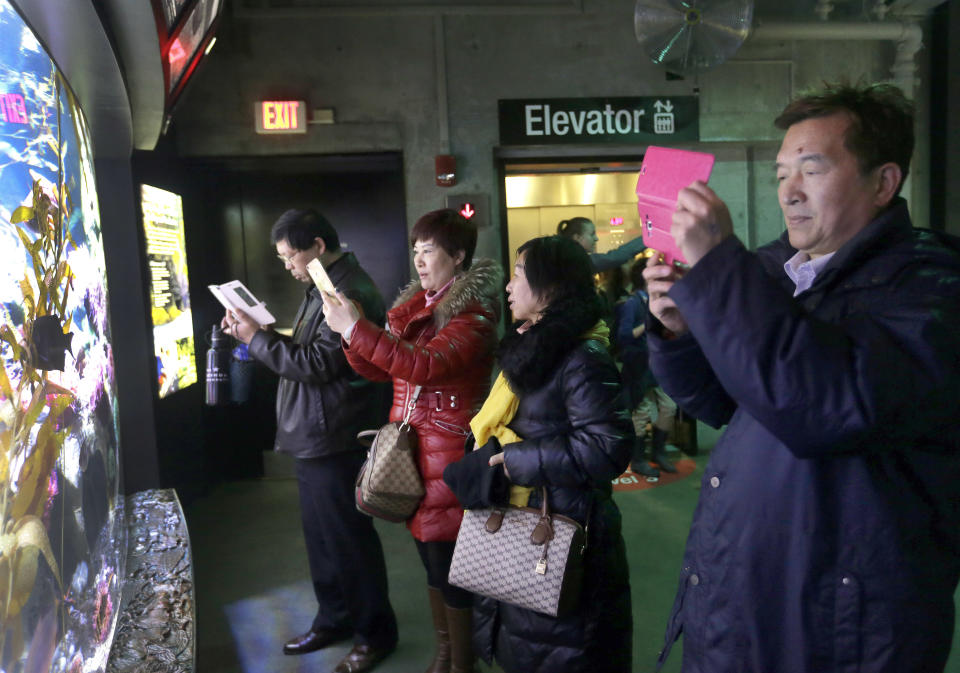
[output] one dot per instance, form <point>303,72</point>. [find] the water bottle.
<point>218,368</point>
<point>241,374</point>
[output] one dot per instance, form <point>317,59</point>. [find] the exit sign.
<point>281,116</point>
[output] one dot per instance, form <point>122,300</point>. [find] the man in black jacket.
<point>321,405</point>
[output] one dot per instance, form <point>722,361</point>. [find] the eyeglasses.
<point>288,260</point>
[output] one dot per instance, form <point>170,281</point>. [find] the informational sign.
<point>281,116</point>
<point>169,289</point>
<point>563,121</point>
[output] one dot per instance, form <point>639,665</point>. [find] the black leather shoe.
<point>362,658</point>
<point>311,641</point>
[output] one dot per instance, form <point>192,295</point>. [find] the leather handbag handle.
<point>366,437</point>
<point>543,531</point>
<point>410,406</point>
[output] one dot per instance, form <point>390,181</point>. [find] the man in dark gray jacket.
<point>321,405</point>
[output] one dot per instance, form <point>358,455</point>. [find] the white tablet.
<point>234,295</point>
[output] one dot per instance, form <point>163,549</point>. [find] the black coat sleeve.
<point>474,482</point>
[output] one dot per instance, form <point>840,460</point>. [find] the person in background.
<point>647,401</point>
<point>827,535</point>
<point>611,286</point>
<point>555,419</point>
<point>584,231</point>
<point>321,406</point>
<point>441,334</point>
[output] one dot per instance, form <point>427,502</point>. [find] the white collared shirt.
<point>802,270</point>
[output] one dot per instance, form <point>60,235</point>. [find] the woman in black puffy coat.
<point>571,434</point>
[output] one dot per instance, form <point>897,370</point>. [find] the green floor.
<point>252,591</point>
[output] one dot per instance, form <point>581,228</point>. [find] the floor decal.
<point>630,481</point>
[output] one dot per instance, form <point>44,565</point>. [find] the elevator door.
<point>540,195</point>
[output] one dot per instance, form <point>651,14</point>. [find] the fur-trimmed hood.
<point>482,283</point>
<point>528,360</point>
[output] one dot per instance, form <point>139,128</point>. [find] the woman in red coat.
<point>440,334</point>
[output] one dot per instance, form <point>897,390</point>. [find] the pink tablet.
<point>663,174</point>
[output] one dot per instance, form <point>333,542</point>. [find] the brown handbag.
<point>521,555</point>
<point>389,485</point>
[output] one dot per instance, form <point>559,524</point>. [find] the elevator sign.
<point>281,116</point>
<point>565,121</point>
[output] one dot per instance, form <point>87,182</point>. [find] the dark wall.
<point>180,453</point>
<point>229,206</point>
<point>129,325</point>
<point>361,195</point>
<point>944,118</point>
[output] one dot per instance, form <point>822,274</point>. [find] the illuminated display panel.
<point>183,48</point>
<point>62,515</point>
<point>169,289</point>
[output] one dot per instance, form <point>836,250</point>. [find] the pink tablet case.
<point>663,174</point>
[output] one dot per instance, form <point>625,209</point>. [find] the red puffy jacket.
<point>447,348</point>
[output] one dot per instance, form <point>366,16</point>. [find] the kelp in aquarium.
<point>31,408</point>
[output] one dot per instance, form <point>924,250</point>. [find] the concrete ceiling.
<point>770,10</point>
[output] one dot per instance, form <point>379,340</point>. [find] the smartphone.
<point>664,172</point>
<point>320,277</point>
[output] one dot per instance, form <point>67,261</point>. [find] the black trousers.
<point>344,551</point>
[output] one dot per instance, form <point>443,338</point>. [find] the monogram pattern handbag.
<point>521,555</point>
<point>389,484</point>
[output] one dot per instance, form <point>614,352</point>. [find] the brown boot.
<point>460,623</point>
<point>441,660</point>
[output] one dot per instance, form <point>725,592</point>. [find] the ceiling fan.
<point>688,36</point>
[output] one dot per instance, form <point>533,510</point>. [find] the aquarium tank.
<point>62,545</point>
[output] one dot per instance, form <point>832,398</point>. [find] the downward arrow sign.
<point>467,211</point>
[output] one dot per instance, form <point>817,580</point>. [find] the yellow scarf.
<point>500,407</point>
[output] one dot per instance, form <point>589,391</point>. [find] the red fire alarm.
<point>445,167</point>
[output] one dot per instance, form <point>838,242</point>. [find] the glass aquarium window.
<point>61,512</point>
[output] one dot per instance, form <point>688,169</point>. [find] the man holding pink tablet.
<point>827,534</point>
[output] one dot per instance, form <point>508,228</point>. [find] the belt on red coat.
<point>438,400</point>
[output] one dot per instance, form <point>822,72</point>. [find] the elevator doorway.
<point>539,194</point>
